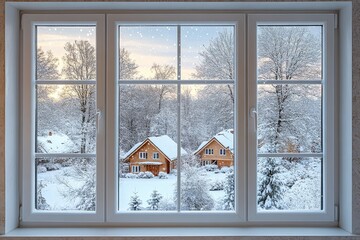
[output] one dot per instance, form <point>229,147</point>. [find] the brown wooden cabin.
<point>154,154</point>
<point>218,150</point>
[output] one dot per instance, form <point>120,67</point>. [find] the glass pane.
<point>148,52</point>
<point>66,52</point>
<point>207,52</point>
<point>66,119</point>
<point>147,147</point>
<point>65,184</point>
<point>289,118</point>
<point>289,184</point>
<point>289,52</point>
<point>207,122</point>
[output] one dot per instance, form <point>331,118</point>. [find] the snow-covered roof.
<point>150,163</point>
<point>127,154</point>
<point>225,138</point>
<point>164,143</point>
<point>56,143</point>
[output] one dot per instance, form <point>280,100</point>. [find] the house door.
<point>153,169</point>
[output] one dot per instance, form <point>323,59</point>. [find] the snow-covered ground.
<point>301,182</point>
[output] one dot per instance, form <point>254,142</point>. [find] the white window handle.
<point>253,115</point>
<point>98,118</point>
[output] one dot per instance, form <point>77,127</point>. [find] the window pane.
<point>289,184</point>
<point>147,125</point>
<point>148,52</point>
<point>289,52</point>
<point>66,119</point>
<point>65,184</point>
<point>66,52</point>
<point>289,118</point>
<point>207,52</point>
<point>207,122</point>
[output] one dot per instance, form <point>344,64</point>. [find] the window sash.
<point>29,22</point>
<point>327,21</point>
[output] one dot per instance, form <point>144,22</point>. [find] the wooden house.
<point>218,150</point>
<point>154,154</point>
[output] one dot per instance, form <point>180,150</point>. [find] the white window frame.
<point>245,100</point>
<point>135,168</point>
<point>156,155</point>
<point>209,151</point>
<point>30,214</point>
<point>327,21</point>
<point>222,151</point>
<point>143,155</point>
<point>220,217</point>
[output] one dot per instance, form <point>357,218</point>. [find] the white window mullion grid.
<point>327,84</point>
<point>29,23</point>
<point>114,21</point>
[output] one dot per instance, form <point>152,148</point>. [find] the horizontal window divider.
<point>318,155</point>
<point>65,155</point>
<point>64,82</point>
<point>289,81</point>
<point>183,82</point>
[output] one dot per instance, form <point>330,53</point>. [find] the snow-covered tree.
<point>84,195</point>
<point>80,64</point>
<point>154,200</point>
<point>229,198</point>
<point>287,53</point>
<point>128,67</point>
<point>41,203</point>
<point>135,203</point>
<point>46,65</point>
<point>194,194</point>
<point>269,185</point>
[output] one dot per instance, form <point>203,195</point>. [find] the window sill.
<point>172,232</point>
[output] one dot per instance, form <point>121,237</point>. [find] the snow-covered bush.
<point>167,205</point>
<point>229,188</point>
<point>41,203</point>
<point>194,193</point>
<point>52,166</point>
<point>154,200</point>
<point>163,175</point>
<point>84,195</point>
<point>217,186</point>
<point>211,167</point>
<point>135,203</point>
<point>41,169</point>
<point>173,172</point>
<point>131,175</point>
<point>145,175</point>
<point>226,170</point>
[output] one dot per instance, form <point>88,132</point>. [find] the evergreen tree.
<point>154,200</point>
<point>135,202</point>
<point>229,199</point>
<point>269,186</point>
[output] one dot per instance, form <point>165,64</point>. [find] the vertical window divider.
<point>178,165</point>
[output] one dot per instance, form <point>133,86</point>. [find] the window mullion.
<point>178,165</point>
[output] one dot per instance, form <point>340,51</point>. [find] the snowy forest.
<point>289,121</point>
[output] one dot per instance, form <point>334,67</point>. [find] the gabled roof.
<point>163,143</point>
<point>225,138</point>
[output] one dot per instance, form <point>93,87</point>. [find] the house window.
<point>209,151</point>
<point>143,155</point>
<point>166,78</point>
<point>156,155</point>
<point>222,151</point>
<point>135,169</point>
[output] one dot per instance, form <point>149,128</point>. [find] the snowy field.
<point>301,184</point>
<point>166,187</point>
